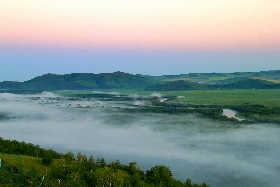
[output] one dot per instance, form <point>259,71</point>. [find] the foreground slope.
<point>50,168</point>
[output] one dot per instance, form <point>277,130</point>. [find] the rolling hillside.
<point>121,80</point>
<point>181,85</point>
<point>81,81</point>
<point>225,78</point>
<point>251,84</point>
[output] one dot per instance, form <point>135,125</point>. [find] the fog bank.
<point>217,153</point>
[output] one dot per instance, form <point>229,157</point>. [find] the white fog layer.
<point>218,153</point>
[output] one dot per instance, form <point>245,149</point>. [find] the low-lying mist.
<point>218,153</point>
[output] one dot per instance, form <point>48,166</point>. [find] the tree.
<point>61,171</point>
<point>113,166</point>
<point>47,158</point>
<point>82,159</point>
<point>91,165</point>
<point>101,162</point>
<point>159,175</point>
<point>135,179</point>
<point>188,183</point>
<point>69,157</point>
<point>133,168</point>
<point>76,180</point>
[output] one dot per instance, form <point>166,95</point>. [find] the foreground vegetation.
<point>25,164</point>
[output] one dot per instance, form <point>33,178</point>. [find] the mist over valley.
<point>219,153</point>
<point>140,93</point>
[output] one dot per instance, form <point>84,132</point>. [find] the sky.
<point>151,37</point>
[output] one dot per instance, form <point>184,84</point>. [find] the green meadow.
<point>269,98</point>
<point>266,97</point>
<point>24,162</point>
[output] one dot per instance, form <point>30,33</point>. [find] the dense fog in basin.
<point>218,153</point>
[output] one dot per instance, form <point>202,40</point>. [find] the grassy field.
<point>218,78</point>
<point>28,162</point>
<point>269,98</point>
<point>275,81</point>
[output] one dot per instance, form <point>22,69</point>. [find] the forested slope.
<point>49,168</point>
<point>121,80</point>
<point>80,81</point>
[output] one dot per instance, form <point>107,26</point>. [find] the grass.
<point>275,81</point>
<point>35,164</point>
<point>269,98</point>
<point>28,162</point>
<point>218,78</point>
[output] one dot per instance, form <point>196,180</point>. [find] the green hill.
<point>121,80</point>
<point>251,84</point>
<point>80,81</point>
<point>179,85</point>
<point>224,78</point>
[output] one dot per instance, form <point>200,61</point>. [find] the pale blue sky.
<point>142,36</point>
<point>22,64</point>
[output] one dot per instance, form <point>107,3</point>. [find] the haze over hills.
<point>121,80</point>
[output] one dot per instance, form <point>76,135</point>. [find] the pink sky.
<point>183,24</point>
<point>152,37</point>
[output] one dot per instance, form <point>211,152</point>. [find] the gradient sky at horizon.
<point>152,37</point>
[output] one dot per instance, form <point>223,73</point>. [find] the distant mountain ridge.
<point>181,85</point>
<point>121,80</point>
<point>81,81</point>
<point>224,78</point>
